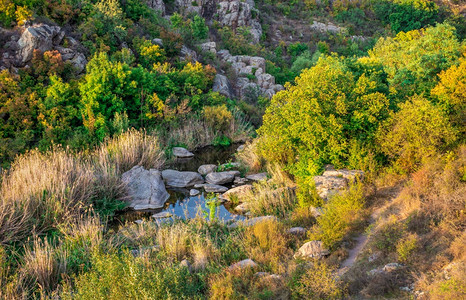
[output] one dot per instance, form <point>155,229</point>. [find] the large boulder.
<point>312,249</point>
<point>222,86</point>
<point>40,37</point>
<point>221,177</point>
<point>179,179</point>
<point>145,188</point>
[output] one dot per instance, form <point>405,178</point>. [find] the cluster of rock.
<point>147,188</point>
<point>19,51</point>
<point>333,181</point>
<point>250,74</point>
<point>231,13</point>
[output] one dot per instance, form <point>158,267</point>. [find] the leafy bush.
<point>319,282</point>
<point>342,214</point>
<point>413,59</point>
<point>419,130</point>
<point>316,121</point>
<point>123,276</point>
<point>406,15</point>
<point>217,117</point>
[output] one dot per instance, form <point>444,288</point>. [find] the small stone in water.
<point>194,192</point>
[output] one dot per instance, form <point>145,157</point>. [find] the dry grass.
<point>43,190</point>
<point>275,196</point>
<point>250,157</point>
<point>267,244</point>
<point>42,266</point>
<point>196,133</point>
<point>129,149</point>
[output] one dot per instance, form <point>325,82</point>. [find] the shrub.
<point>413,59</point>
<point>123,276</point>
<point>317,120</point>
<point>419,130</point>
<point>451,93</point>
<point>406,248</point>
<point>217,117</point>
<point>319,282</point>
<point>342,214</point>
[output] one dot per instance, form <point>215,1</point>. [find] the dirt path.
<point>386,197</point>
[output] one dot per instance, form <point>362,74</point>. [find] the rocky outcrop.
<point>326,28</point>
<point>188,54</point>
<point>158,5</point>
<point>222,86</point>
<point>181,152</point>
<point>41,37</point>
<point>238,13</point>
<point>145,188</point>
<point>187,7</point>
<point>334,181</point>
<point>312,249</point>
<point>209,47</point>
<point>251,75</point>
<point>179,179</point>
<point>19,51</point>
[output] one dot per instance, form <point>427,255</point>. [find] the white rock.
<point>214,188</point>
<point>312,249</point>
<point>247,263</point>
<point>221,177</point>
<point>194,192</point>
<point>297,231</point>
<point>257,177</point>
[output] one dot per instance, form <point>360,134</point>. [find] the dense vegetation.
<point>386,95</point>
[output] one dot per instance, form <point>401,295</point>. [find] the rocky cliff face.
<point>19,50</point>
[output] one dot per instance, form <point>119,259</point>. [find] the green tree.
<point>58,113</point>
<point>413,59</point>
<point>333,105</point>
<point>418,130</point>
<point>109,88</point>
